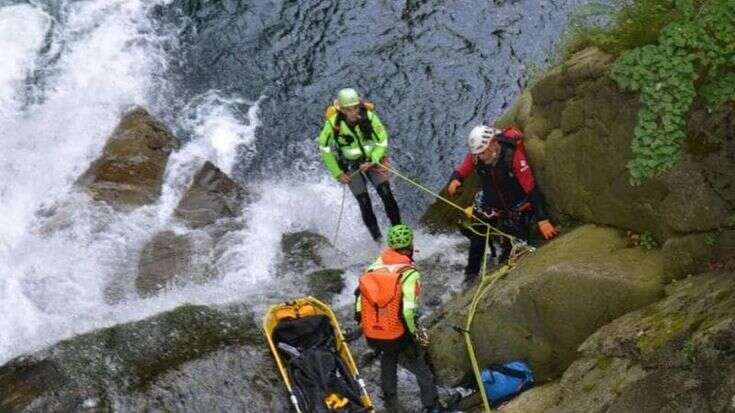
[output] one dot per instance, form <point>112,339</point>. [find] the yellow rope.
<point>518,250</point>
<point>493,229</point>
<point>339,218</point>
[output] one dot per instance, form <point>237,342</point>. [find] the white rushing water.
<point>69,69</point>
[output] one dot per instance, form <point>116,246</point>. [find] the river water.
<point>243,84</point>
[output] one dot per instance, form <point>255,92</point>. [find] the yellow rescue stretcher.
<point>304,334</point>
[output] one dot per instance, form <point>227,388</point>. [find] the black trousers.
<point>411,356</point>
<point>516,226</point>
<point>382,186</point>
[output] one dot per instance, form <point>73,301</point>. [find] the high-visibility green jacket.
<point>410,286</point>
<point>350,145</point>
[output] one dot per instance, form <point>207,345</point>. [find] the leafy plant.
<point>689,352</point>
<point>710,239</point>
<point>694,55</point>
<point>647,241</point>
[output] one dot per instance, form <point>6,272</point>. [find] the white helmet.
<point>480,137</point>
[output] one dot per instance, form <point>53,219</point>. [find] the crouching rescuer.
<point>353,145</point>
<point>386,306</point>
<point>509,198</point>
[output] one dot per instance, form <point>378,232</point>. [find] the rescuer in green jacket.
<point>353,146</point>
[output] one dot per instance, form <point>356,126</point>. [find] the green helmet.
<point>347,97</point>
<point>399,237</point>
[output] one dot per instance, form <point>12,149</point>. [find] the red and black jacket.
<point>509,183</point>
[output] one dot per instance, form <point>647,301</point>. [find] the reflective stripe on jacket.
<point>351,143</point>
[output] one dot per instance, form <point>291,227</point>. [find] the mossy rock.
<point>573,116</point>
<point>118,362</point>
<point>211,196</point>
<point>519,115</point>
<point>586,123</point>
<point>674,355</point>
<point>325,284</point>
<point>303,251</point>
<point>443,217</point>
<point>551,303</point>
<point>129,172</point>
<point>694,253</point>
<point>164,261</point>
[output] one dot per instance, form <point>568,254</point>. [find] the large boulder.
<point>585,149</point>
<point>694,253</point>
<point>303,251</point>
<point>130,170</point>
<point>578,128</point>
<point>306,254</point>
<point>550,303</point>
<point>675,355</point>
<point>171,259</point>
<point>193,358</point>
<point>212,196</point>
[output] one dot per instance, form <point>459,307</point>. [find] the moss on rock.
<point>551,302</point>
<point>673,355</point>
<point>123,359</point>
<point>325,284</point>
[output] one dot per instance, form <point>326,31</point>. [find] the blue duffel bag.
<point>502,382</point>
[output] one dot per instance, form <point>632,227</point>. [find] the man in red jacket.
<point>509,196</point>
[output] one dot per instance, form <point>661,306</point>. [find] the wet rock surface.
<point>169,260</point>
<point>303,251</point>
<point>188,357</point>
<point>129,172</point>
<point>325,284</point>
<point>212,196</point>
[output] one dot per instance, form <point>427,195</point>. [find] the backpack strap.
<point>365,125</point>
<point>508,157</point>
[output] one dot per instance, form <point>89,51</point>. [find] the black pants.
<point>382,186</point>
<point>411,356</point>
<point>516,226</point>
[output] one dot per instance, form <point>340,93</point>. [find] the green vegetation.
<point>671,52</point>
<point>689,352</point>
<point>647,241</point>
<point>710,239</point>
<point>635,25</point>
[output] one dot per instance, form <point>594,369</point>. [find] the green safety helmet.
<point>400,236</point>
<point>347,97</point>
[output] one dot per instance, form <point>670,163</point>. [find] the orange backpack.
<point>382,295</point>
